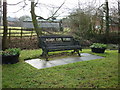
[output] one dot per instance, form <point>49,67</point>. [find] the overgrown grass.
<point>99,73</point>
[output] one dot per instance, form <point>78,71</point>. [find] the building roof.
<point>12,19</point>
<point>41,20</point>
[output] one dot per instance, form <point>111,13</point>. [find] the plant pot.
<point>11,59</point>
<point>98,50</point>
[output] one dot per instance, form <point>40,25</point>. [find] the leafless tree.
<point>4,39</point>
<point>34,16</point>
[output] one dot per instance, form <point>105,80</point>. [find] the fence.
<point>18,32</point>
<point>18,37</point>
<point>29,32</point>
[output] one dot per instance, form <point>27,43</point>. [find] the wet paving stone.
<point>40,64</point>
<point>57,62</point>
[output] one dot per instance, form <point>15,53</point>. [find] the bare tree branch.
<point>20,9</point>
<point>53,15</point>
<point>17,3</point>
<point>57,10</point>
<point>25,4</point>
<point>36,2</point>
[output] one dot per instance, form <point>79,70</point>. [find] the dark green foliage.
<point>113,38</point>
<point>91,26</point>
<point>80,24</point>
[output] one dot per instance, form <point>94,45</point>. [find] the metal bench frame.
<point>58,43</point>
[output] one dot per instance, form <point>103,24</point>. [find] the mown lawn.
<point>99,73</point>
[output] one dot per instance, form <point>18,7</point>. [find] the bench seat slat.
<point>65,47</point>
<point>60,48</point>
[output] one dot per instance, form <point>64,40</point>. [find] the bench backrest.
<point>56,40</point>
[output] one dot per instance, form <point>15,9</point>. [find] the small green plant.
<point>98,45</point>
<point>11,51</point>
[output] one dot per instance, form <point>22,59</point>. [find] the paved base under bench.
<point>39,63</point>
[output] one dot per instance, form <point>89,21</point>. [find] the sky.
<point>46,7</point>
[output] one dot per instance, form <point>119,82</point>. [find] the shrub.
<point>11,51</point>
<point>98,45</point>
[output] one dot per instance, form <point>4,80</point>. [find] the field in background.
<point>18,32</point>
<point>22,32</point>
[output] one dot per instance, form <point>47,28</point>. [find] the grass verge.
<point>99,73</point>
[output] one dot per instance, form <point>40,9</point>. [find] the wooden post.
<point>21,32</point>
<point>9,34</point>
<point>31,34</point>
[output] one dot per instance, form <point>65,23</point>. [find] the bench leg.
<point>42,54</point>
<point>46,56</point>
<point>78,52</point>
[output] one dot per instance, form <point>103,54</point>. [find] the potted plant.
<point>10,56</point>
<point>98,47</point>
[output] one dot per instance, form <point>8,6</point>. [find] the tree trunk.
<point>4,39</point>
<point>0,12</point>
<point>101,25</point>
<point>119,25</point>
<point>107,22</point>
<point>34,20</point>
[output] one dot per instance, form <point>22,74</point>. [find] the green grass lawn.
<point>99,73</point>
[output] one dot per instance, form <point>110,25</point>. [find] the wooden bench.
<point>58,43</point>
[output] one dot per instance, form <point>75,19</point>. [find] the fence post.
<point>31,34</point>
<point>21,32</point>
<point>9,34</point>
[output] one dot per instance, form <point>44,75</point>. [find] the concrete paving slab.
<point>85,54</point>
<point>72,59</point>
<point>39,64</point>
<point>57,62</point>
<point>91,57</point>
